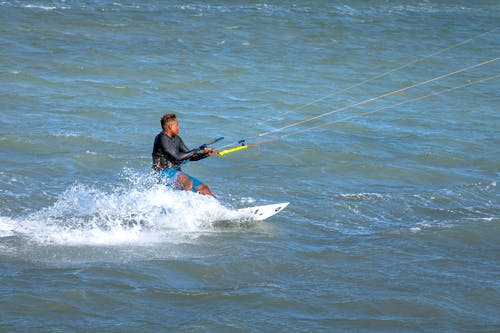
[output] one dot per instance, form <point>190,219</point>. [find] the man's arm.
<point>180,153</point>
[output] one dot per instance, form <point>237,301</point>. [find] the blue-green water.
<point>394,216</point>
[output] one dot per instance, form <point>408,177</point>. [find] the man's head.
<point>169,124</point>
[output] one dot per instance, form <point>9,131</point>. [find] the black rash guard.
<point>170,152</point>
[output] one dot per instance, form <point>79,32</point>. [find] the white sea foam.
<point>136,214</point>
<point>40,7</point>
<point>7,226</point>
<point>65,134</point>
<point>45,7</point>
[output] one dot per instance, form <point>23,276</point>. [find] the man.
<point>169,152</point>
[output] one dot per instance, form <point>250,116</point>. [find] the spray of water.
<point>138,211</point>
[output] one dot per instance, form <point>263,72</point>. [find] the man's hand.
<point>210,151</point>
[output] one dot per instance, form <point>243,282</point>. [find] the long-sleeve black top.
<point>170,152</point>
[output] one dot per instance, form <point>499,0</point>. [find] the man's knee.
<point>203,189</point>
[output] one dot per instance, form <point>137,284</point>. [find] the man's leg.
<point>190,183</point>
<point>203,189</point>
<point>184,182</point>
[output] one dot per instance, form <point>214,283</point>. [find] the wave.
<point>463,206</point>
<point>142,212</point>
<point>198,9</point>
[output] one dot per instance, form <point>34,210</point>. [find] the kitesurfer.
<point>169,152</point>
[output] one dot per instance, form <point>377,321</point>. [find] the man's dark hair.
<point>166,118</point>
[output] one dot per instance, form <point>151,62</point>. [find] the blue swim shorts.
<point>171,178</point>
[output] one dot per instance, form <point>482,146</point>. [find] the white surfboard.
<point>260,213</point>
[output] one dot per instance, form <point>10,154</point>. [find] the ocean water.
<point>377,120</point>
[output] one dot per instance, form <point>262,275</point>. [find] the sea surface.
<point>379,121</point>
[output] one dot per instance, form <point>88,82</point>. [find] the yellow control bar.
<point>227,151</point>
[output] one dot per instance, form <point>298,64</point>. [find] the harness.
<point>160,163</point>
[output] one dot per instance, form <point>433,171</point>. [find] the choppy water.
<point>394,221</point>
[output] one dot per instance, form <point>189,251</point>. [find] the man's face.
<point>173,126</point>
